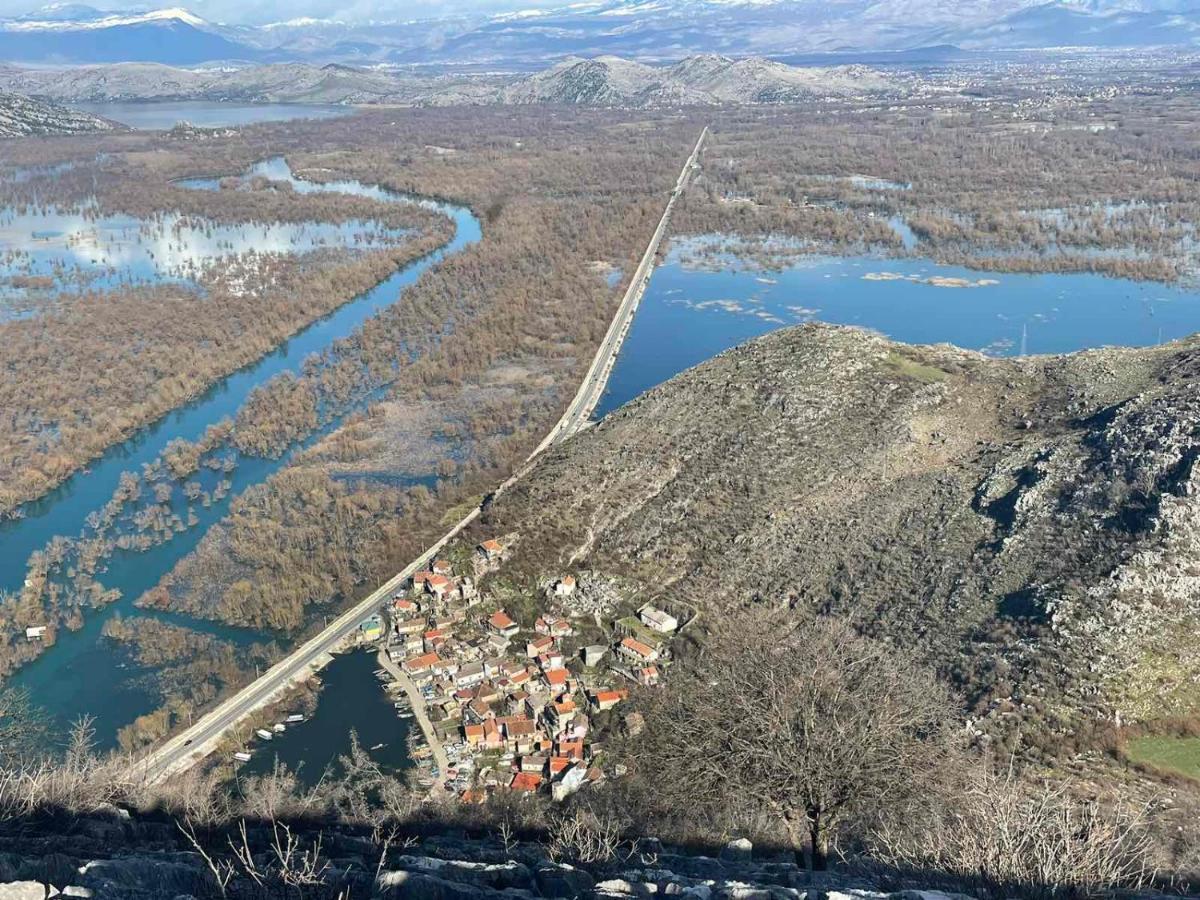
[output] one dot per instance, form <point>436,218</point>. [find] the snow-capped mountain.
<point>71,33</point>
<point>660,30</point>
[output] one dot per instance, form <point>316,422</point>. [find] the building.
<point>538,646</point>
<point>439,586</point>
<point>565,586</point>
<point>602,700</point>
<point>35,632</point>
<point>500,623</point>
<point>491,550</point>
<point>405,607</point>
<point>648,676</point>
<point>561,712</point>
<point>593,654</point>
<point>526,782</point>
<point>408,626</point>
<point>658,619</point>
<point>372,629</point>
<point>420,665</point>
<point>534,764</point>
<point>553,626</point>
<point>634,649</point>
<point>442,567</point>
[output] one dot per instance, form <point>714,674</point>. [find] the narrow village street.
<point>421,714</point>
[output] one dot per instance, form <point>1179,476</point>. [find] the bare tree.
<point>803,724</point>
<point>1006,836</point>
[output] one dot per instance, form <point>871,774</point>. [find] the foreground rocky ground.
<point>114,855</point>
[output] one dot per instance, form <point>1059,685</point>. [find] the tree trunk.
<point>819,858</point>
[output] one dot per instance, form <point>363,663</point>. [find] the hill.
<point>697,80</point>
<point>607,81</point>
<point>1030,525</point>
<point>20,116</point>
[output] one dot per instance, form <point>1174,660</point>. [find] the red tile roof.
<point>636,646</point>
<point>526,781</point>
<point>500,620</point>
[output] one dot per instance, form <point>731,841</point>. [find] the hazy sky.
<point>280,10</point>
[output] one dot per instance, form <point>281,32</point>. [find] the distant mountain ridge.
<point>665,30</point>
<point>697,80</point>
<point>21,116</point>
<point>605,81</point>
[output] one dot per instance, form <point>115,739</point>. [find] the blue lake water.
<point>82,248</point>
<point>152,116</point>
<point>351,699</point>
<point>691,313</point>
<point>79,675</point>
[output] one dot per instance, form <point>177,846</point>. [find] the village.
<point>507,699</point>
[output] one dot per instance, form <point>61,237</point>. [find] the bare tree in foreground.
<point>1005,836</point>
<point>806,723</point>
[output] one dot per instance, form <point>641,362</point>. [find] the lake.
<point>693,310</point>
<point>153,116</point>
<point>79,675</point>
<point>351,699</point>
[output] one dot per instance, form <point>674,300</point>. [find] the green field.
<point>1180,755</point>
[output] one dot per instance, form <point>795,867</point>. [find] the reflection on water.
<point>48,249</point>
<point>80,675</point>
<point>83,248</point>
<point>691,313</point>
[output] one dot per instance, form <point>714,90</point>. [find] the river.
<point>80,675</point>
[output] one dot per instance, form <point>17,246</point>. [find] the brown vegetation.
<point>1050,191</point>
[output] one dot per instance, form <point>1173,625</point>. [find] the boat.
<point>294,718</point>
<point>242,756</point>
<point>280,728</point>
<point>406,715</point>
<point>264,734</point>
<point>377,747</point>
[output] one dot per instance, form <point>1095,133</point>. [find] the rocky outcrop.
<point>147,864</point>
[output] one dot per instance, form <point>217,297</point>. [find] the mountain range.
<point>605,81</point>
<point>647,29</point>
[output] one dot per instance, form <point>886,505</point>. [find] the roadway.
<point>203,737</point>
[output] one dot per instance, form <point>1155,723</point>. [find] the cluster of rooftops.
<point>517,706</point>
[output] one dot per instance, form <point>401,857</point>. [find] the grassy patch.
<point>455,513</point>
<point>1180,755</point>
<point>907,367</point>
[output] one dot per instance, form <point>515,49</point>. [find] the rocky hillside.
<point>1032,524</point>
<point>698,80</point>
<point>20,116</point>
<point>605,81</point>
